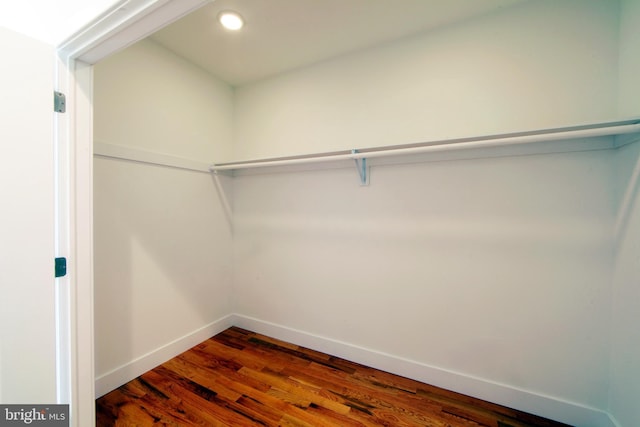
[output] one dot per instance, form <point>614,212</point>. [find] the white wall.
<point>151,99</point>
<point>496,268</point>
<point>27,320</point>
<point>539,64</point>
<point>629,62</point>
<point>493,268</point>
<point>162,235</point>
<point>499,268</point>
<point>625,341</point>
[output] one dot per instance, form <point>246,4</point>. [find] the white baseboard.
<point>545,406</point>
<point>125,373</point>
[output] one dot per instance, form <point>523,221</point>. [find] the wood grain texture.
<point>241,378</point>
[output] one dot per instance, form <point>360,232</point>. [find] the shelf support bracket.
<point>362,168</point>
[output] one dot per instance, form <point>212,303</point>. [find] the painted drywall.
<point>629,63</point>
<point>540,64</point>
<point>190,114</point>
<point>162,260</point>
<point>27,319</point>
<point>625,340</point>
<point>162,235</point>
<point>513,253</point>
<point>494,268</point>
<point>51,22</point>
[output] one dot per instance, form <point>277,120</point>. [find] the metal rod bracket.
<point>362,168</point>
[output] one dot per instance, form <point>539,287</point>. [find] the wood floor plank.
<point>201,376</point>
<point>368,396</point>
<point>292,388</point>
<point>241,378</point>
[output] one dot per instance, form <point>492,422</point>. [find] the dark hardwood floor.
<point>240,378</point>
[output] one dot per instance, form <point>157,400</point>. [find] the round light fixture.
<point>230,20</point>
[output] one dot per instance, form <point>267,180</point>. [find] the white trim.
<point>62,244</point>
<point>123,24</point>
<point>80,264</point>
<point>74,240</point>
<point>102,149</point>
<point>120,26</point>
<point>125,373</point>
<point>524,400</point>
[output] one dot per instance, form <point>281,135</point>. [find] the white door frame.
<point>124,23</point>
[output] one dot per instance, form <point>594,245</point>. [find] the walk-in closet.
<point>456,202</point>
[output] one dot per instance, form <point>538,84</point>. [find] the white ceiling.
<point>281,35</point>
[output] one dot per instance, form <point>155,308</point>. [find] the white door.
<point>27,283</point>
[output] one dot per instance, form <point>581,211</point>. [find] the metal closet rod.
<point>574,132</point>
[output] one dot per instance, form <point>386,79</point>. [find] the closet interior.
<point>458,205</point>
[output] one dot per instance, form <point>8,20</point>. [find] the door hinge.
<point>59,102</point>
<point>61,267</point>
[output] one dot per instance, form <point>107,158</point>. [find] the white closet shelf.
<point>605,135</point>
<point>611,128</point>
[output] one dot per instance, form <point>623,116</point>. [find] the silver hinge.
<point>59,102</point>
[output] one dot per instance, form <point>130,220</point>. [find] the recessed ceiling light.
<point>230,20</point>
